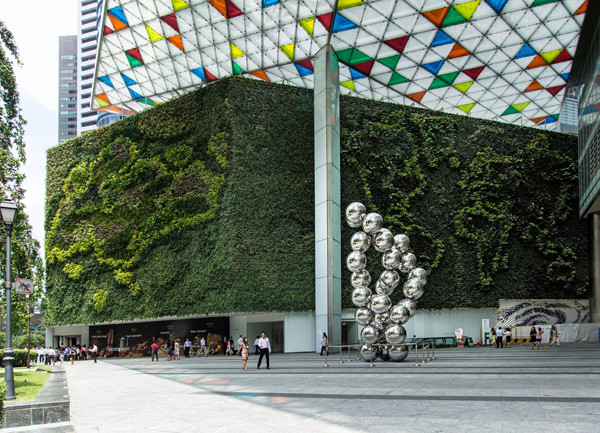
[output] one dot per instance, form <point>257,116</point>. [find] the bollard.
<point>416,354</point>
<point>325,365</point>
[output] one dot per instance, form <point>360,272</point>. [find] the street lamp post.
<point>9,210</point>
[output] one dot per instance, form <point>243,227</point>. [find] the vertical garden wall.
<point>205,204</point>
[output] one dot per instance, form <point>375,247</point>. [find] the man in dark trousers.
<point>265,348</point>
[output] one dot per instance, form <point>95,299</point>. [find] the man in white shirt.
<point>264,345</point>
<point>239,343</point>
<point>202,351</point>
<point>256,345</point>
<point>94,352</point>
<point>499,335</point>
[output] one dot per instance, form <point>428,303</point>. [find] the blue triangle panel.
<point>340,24</point>
<point>589,110</point>
<point>434,67</point>
<point>199,72</point>
<point>267,3</point>
<point>128,81</point>
<point>548,120</point>
<point>525,51</point>
<point>441,38</point>
<point>356,74</point>
<point>497,5</point>
<point>565,76</point>
<point>118,13</point>
<point>302,70</point>
<point>106,80</point>
<point>134,94</point>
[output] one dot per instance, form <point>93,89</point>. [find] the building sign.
<point>134,339</point>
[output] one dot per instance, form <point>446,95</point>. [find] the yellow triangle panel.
<point>551,55</point>
<point>463,87</point>
<point>153,34</point>
<point>344,4</point>
<point>308,24</point>
<point>179,5</point>
<point>235,51</point>
<point>466,10</point>
<point>288,50</point>
<point>520,107</point>
<point>466,107</point>
<point>349,85</point>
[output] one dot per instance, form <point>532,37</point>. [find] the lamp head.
<point>9,211</point>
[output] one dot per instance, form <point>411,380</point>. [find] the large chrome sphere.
<point>380,303</point>
<point>363,316</point>
<point>370,334</point>
<point>367,353</point>
<point>410,305</point>
<point>383,240</point>
<point>380,320</point>
<point>356,261</point>
<point>361,296</point>
<point>383,354</point>
<point>390,278</point>
<point>413,289</point>
<point>382,289</point>
<point>401,243</point>
<point>418,273</point>
<point>360,241</point>
<point>391,259</point>
<point>355,214</point>
<point>395,334</point>
<point>399,314</point>
<point>398,353</point>
<point>360,279</point>
<point>409,261</point>
<point>372,222</point>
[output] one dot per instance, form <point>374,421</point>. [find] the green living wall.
<point>205,205</point>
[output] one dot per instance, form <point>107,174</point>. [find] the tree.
<point>26,261</point>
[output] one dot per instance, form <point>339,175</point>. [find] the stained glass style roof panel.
<point>507,60</point>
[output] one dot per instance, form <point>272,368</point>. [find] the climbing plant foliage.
<point>206,205</point>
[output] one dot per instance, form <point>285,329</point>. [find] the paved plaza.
<point>463,390</point>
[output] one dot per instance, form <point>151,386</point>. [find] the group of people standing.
<point>535,337</point>
<point>500,337</point>
<point>50,356</point>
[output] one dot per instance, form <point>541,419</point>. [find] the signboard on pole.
<point>23,286</point>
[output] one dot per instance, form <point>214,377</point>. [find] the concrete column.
<point>595,267</point>
<point>50,337</point>
<point>327,198</point>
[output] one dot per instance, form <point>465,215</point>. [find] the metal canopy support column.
<point>595,267</point>
<point>328,252</point>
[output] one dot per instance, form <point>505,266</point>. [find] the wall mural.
<point>527,312</point>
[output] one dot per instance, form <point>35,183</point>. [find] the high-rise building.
<point>90,18</point>
<point>67,87</point>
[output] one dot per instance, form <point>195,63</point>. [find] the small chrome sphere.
<point>361,296</point>
<point>398,353</point>
<point>399,314</point>
<point>401,243</point>
<point>360,279</point>
<point>383,240</point>
<point>355,214</point>
<point>370,334</point>
<point>383,354</point>
<point>409,261</point>
<point>395,334</point>
<point>381,303</point>
<point>382,289</point>
<point>380,320</point>
<point>418,273</point>
<point>410,305</point>
<point>390,278</point>
<point>413,289</point>
<point>368,353</point>
<point>356,261</point>
<point>360,241</point>
<point>372,222</point>
<point>391,259</point>
<point>363,316</point>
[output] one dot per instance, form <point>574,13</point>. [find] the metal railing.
<point>427,347</point>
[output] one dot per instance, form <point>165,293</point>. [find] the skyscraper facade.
<point>67,87</point>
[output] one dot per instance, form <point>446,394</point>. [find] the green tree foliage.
<point>25,262</point>
<point>206,205</point>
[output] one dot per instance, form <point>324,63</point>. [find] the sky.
<point>36,26</point>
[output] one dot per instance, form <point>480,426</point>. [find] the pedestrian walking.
<point>176,349</point>
<point>187,345</point>
<point>323,344</point>
<point>229,350</point>
<point>507,337</point>
<point>154,349</point>
<point>244,352</point>
<point>532,336</point>
<point>538,338</point>
<point>256,345</point>
<point>264,346</point>
<point>203,351</point>
<point>554,336</point>
<point>499,336</point>
<point>493,337</point>
<point>239,342</point>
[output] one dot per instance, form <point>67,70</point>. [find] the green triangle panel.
<point>390,62</point>
<point>237,69</point>
<point>510,110</point>
<point>542,2</point>
<point>444,80</point>
<point>352,56</point>
<point>453,18</point>
<point>397,79</point>
<point>133,62</point>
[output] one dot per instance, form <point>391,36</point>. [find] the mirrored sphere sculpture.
<point>383,333</point>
